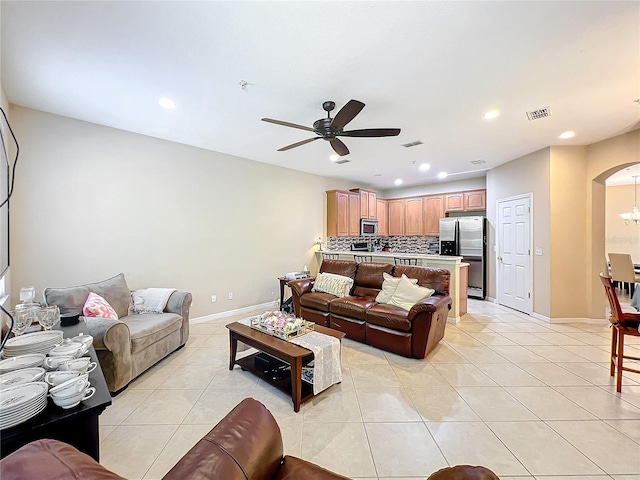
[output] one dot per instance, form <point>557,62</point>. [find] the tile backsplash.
<point>418,244</point>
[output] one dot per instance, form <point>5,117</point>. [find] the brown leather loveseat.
<point>245,445</point>
<point>412,333</point>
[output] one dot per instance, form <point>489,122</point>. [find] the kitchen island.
<point>458,270</point>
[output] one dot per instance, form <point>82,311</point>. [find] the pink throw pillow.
<point>96,306</point>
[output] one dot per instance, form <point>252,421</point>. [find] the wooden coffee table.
<point>290,353</point>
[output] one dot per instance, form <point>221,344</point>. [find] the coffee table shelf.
<point>284,384</point>
<point>288,352</point>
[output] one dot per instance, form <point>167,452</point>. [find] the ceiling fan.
<point>330,128</point>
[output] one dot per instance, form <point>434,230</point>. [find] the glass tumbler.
<point>49,316</point>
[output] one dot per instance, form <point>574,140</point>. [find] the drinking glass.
<point>49,316</point>
<point>22,319</point>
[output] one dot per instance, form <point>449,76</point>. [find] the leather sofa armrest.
<point>430,305</point>
<point>180,303</point>
<point>52,460</point>
<point>300,287</point>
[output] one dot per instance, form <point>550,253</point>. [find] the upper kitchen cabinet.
<point>475,200</point>
<point>354,214</point>
<point>368,203</point>
<point>413,216</point>
<point>454,202</point>
<point>396,216</point>
<point>432,211</point>
<point>383,217</point>
<point>343,214</point>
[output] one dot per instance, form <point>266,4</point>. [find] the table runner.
<point>326,365</point>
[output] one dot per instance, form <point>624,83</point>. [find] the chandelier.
<point>633,217</point>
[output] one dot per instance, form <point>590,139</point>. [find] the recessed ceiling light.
<point>442,175</point>
<point>424,167</point>
<point>334,157</point>
<point>166,102</point>
<point>398,181</point>
<point>567,134</point>
<point>491,114</point>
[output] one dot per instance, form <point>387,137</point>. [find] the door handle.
<point>500,259</point>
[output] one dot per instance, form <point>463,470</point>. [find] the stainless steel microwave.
<point>368,228</point>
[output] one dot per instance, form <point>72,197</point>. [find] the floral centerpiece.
<point>281,325</point>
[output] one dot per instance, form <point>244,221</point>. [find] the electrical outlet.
<point>230,295</point>
<point>214,298</point>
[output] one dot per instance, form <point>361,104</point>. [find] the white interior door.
<point>514,253</point>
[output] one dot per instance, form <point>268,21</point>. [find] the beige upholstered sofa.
<point>129,346</point>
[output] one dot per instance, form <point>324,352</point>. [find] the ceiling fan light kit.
<point>330,128</point>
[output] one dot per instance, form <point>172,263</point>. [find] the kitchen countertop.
<point>430,256</point>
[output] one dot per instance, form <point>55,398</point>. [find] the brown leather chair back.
<point>464,472</point>
<point>436,278</point>
<point>245,445</point>
<point>346,268</point>
<point>368,282</point>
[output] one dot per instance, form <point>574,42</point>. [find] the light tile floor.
<point>529,400</point>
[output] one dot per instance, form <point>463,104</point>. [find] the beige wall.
<point>620,237</point>
<point>528,174</point>
<point>92,201</point>
<point>603,159</point>
<point>568,224</point>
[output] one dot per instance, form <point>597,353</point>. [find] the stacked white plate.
<point>21,361</point>
<point>36,342</point>
<point>18,377</point>
<point>21,402</point>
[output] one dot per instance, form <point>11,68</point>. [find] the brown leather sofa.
<point>245,445</point>
<point>411,334</point>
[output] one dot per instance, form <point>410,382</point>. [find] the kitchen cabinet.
<point>396,216</point>
<point>454,202</point>
<point>382,213</point>
<point>432,211</point>
<point>413,216</point>
<point>368,203</point>
<point>354,215</point>
<point>343,214</point>
<point>475,200</point>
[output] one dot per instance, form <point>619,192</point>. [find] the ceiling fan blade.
<point>347,113</point>
<point>339,147</point>
<point>288,124</point>
<point>297,144</point>
<point>371,132</point>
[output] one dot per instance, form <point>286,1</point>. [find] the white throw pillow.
<point>407,294</point>
<point>337,285</point>
<point>389,286</point>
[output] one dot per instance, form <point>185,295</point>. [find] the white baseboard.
<point>544,318</point>
<point>232,313</point>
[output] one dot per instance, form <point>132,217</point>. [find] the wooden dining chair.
<point>622,270</point>
<point>405,261</point>
<point>363,258</point>
<point>622,323</point>
<point>330,256</point>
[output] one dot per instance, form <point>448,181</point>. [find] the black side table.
<point>77,426</point>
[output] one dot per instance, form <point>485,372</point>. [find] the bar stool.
<point>363,258</point>
<point>330,256</point>
<point>405,261</point>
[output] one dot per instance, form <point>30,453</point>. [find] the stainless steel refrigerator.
<point>466,236</point>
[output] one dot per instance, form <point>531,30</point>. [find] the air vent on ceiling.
<point>540,113</point>
<point>478,162</point>
<point>412,144</point>
<point>341,161</point>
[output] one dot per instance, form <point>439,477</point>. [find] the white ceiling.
<point>429,68</point>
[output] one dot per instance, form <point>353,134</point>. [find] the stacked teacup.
<point>71,392</point>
